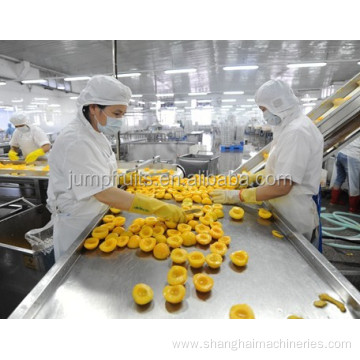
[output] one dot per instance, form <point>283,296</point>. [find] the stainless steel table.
<point>283,277</point>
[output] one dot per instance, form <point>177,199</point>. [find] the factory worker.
<point>293,169</point>
<point>82,166</point>
<point>348,166</point>
<point>30,139</point>
<point>9,131</point>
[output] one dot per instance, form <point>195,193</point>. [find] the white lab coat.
<point>297,150</point>
<point>82,164</point>
<point>29,141</point>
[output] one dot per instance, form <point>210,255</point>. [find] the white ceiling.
<point>152,58</point>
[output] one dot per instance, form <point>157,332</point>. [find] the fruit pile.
<point>168,239</point>
<point>196,188</point>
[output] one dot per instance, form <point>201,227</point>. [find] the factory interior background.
<point>193,115</point>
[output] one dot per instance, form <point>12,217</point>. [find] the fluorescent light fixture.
<point>233,92</point>
<point>250,100</point>
<point>129,75</point>
<point>165,95</point>
<point>136,95</point>
<point>308,99</point>
<point>180,102</point>
<point>41,99</point>
<point>141,102</point>
<point>204,101</point>
<point>37,81</point>
<point>77,78</point>
<point>227,106</point>
<point>179,71</point>
<point>138,108</point>
<point>54,105</point>
<point>197,93</point>
<point>17,100</point>
<point>305,65</point>
<point>2,83</point>
<point>228,100</point>
<point>153,108</point>
<point>246,106</point>
<point>37,103</point>
<point>241,67</point>
<point>309,104</point>
<point>73,97</point>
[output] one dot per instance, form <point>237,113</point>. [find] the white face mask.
<point>271,118</point>
<point>112,126</point>
<point>23,129</point>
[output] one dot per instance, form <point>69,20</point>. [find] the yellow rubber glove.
<point>225,196</point>
<point>13,156</point>
<point>249,196</point>
<point>34,155</point>
<point>145,205</point>
<point>247,178</point>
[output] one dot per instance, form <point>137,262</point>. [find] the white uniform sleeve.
<point>294,154</point>
<point>15,139</point>
<point>86,170</point>
<point>39,136</point>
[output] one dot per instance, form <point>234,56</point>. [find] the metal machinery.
<point>283,276</point>
<point>30,182</point>
<point>21,267</point>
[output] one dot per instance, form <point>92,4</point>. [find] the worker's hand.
<point>13,156</point>
<point>34,155</point>
<point>225,196</point>
<point>248,178</point>
<point>249,196</point>
<point>146,205</point>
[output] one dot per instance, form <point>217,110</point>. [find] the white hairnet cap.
<point>18,119</point>
<point>276,96</point>
<point>104,90</point>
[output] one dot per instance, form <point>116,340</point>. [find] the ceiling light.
<point>41,99</point>
<point>153,108</point>
<point>77,78</point>
<point>233,92</point>
<point>54,105</point>
<point>37,81</point>
<point>228,100</point>
<point>304,65</point>
<point>73,97</point>
<point>197,93</point>
<point>180,102</point>
<point>128,75</point>
<point>308,99</point>
<point>246,106</point>
<point>165,95</point>
<point>309,104</point>
<point>241,67</point>
<point>17,101</point>
<point>227,106</point>
<point>136,95</point>
<point>138,108</point>
<point>179,71</point>
<point>2,83</point>
<point>206,101</point>
<point>358,64</point>
<point>250,100</point>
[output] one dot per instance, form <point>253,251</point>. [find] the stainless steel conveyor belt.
<point>283,277</point>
